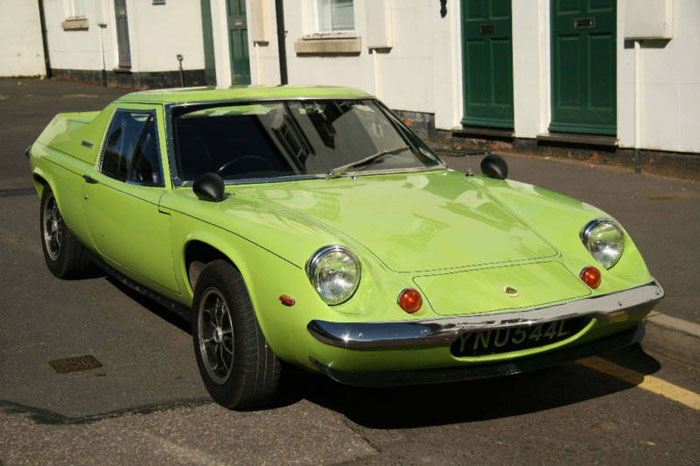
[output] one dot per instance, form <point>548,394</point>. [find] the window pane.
<point>79,8</point>
<point>342,14</point>
<point>336,15</point>
<point>324,15</point>
<point>131,149</point>
<point>144,162</point>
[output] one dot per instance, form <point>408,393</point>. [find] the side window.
<point>131,149</point>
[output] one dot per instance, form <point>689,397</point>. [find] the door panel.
<point>128,230</point>
<point>124,222</point>
<point>238,41</point>
<point>584,91</point>
<point>488,63</point>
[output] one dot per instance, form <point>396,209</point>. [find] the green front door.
<point>487,58</point>
<point>583,66</point>
<point>238,41</point>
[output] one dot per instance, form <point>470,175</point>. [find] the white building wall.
<point>21,51</point>
<point>531,67</point>
<point>670,98</point>
<point>78,49</point>
<point>158,33</point>
<point>421,72</point>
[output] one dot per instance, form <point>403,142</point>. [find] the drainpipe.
<point>281,33</point>
<point>103,24</point>
<point>637,105</point>
<point>44,43</point>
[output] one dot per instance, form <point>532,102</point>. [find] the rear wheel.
<point>238,367</point>
<point>63,253</point>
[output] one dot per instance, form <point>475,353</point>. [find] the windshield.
<point>293,138</point>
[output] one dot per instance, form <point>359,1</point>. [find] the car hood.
<point>412,222</point>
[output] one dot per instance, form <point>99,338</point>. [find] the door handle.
<point>89,179</point>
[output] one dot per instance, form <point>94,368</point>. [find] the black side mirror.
<point>494,166</point>
<point>209,187</point>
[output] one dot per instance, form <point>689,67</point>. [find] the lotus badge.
<point>510,291</point>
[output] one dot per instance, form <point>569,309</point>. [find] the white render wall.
<point>670,100</point>
<point>21,52</point>
<point>79,50</point>
<point>157,33</point>
<point>421,72</point>
<point>531,67</point>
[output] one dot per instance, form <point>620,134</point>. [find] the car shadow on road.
<point>179,320</point>
<point>430,405</point>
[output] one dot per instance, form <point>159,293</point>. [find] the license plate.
<point>505,340</point>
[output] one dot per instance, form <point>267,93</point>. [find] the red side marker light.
<point>590,276</point>
<point>287,300</point>
<point>410,300</point>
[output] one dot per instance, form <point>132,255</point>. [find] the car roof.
<point>213,94</point>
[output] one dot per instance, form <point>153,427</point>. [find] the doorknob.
<point>89,179</point>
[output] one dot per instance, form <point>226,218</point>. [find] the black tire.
<point>222,307</point>
<point>64,255</point>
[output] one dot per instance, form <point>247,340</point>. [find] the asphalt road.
<point>27,106</point>
<point>147,405</point>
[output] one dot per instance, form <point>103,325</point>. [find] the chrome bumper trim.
<point>482,371</point>
<point>443,331</point>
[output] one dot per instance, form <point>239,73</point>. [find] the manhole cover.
<point>75,364</point>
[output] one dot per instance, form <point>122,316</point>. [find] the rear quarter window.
<point>131,149</point>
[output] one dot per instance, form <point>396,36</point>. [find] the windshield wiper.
<point>341,169</point>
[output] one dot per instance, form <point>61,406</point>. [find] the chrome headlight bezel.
<point>600,250</point>
<point>313,269</point>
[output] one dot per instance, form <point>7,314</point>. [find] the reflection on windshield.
<point>292,138</point>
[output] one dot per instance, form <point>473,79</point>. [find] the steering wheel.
<point>259,160</point>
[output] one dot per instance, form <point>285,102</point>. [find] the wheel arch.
<point>40,182</point>
<point>206,246</point>
<point>196,255</point>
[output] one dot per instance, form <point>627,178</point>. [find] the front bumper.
<point>443,331</point>
<point>481,371</point>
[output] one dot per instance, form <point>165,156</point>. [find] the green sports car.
<point>309,225</point>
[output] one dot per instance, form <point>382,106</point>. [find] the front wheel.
<point>238,367</point>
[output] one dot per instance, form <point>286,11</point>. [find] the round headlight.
<point>334,272</point>
<point>605,241</point>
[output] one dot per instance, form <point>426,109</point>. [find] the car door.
<point>123,191</point>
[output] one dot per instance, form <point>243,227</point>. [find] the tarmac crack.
<point>359,431</point>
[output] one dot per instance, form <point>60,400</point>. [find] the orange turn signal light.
<point>590,276</point>
<point>287,300</point>
<point>410,300</point>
